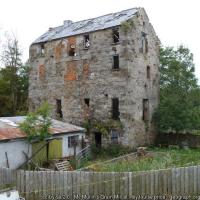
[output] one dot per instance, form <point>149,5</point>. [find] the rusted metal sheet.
<point>58,51</point>
<point>10,133</point>
<point>41,71</point>
<point>86,69</point>
<point>71,72</point>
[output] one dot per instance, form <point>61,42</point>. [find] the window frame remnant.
<point>145,115</point>
<point>115,109</point>
<point>115,35</point>
<point>114,136</point>
<point>148,72</point>
<point>87,102</point>
<point>59,108</point>
<point>86,41</point>
<point>116,62</point>
<point>73,141</point>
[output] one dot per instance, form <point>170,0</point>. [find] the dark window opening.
<point>115,35</point>
<point>72,51</point>
<point>114,137</point>
<point>86,41</point>
<point>72,141</point>
<point>59,108</point>
<point>144,43</point>
<point>145,110</point>
<point>87,102</point>
<point>116,62</point>
<point>148,72</point>
<point>115,108</point>
<point>42,49</point>
<point>98,139</point>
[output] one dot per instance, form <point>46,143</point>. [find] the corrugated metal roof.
<point>9,127</point>
<point>10,133</point>
<point>70,28</point>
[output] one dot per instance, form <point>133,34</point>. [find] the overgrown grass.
<point>110,151</point>
<point>102,154</point>
<point>161,159</point>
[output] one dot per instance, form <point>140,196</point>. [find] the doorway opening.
<point>98,139</point>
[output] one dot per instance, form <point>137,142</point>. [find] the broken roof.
<point>9,128</point>
<point>70,28</point>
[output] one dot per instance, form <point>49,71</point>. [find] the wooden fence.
<point>35,185</point>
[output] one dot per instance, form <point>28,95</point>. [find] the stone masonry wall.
<point>89,74</point>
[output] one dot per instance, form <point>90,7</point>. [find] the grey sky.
<point>175,21</point>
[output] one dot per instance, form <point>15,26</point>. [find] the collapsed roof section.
<point>70,28</point>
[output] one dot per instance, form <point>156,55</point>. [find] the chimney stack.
<point>67,22</point>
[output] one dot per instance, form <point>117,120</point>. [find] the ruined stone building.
<point>102,68</point>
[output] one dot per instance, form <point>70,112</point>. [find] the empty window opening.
<point>86,41</point>
<point>115,108</point>
<point>42,49</point>
<point>72,141</point>
<point>59,108</point>
<point>87,102</point>
<point>114,137</point>
<point>72,51</point>
<point>145,110</point>
<point>148,72</point>
<point>116,62</point>
<point>115,35</point>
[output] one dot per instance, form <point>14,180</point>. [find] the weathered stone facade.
<point>68,79</point>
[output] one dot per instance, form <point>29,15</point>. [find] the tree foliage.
<point>179,108</point>
<point>37,124</point>
<point>13,79</point>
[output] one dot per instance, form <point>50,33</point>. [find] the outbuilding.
<point>15,149</point>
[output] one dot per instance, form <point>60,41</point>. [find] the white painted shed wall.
<point>15,153</point>
<point>70,151</point>
<point>15,150</point>
<point>9,195</point>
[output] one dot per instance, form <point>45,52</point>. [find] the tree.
<point>22,90</point>
<point>13,75</point>
<point>37,124</point>
<point>5,102</point>
<point>179,108</point>
<point>11,54</point>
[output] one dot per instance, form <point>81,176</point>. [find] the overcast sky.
<point>175,21</point>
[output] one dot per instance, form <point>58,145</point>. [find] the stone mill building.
<point>102,68</point>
